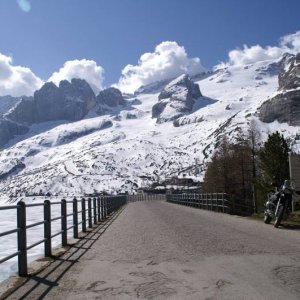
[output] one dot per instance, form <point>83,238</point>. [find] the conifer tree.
<point>274,160</point>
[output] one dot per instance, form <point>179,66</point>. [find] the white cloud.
<point>249,55</point>
<point>167,61</point>
<point>24,5</point>
<point>83,69</point>
<point>16,80</point>
<point>289,43</point>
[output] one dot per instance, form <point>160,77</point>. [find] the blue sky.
<point>44,34</point>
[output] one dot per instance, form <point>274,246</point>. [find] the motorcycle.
<point>279,204</point>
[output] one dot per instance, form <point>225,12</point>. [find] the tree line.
<point>247,170</point>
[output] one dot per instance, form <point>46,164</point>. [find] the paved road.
<point>158,250</point>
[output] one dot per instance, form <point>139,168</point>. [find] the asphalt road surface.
<point>159,250</point>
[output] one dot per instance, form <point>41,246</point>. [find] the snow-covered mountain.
<point>166,128</point>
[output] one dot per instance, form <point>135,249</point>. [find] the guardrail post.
<point>22,238</point>
<point>223,204</point>
<point>105,208</point>
<point>108,206</point>
<point>98,209</point>
<point>83,215</point>
<point>112,204</point>
<point>75,219</point>
<point>64,239</point>
<point>102,208</point>
<point>90,212</point>
<point>95,210</point>
<point>47,227</point>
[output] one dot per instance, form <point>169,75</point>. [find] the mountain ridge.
<point>115,151</point>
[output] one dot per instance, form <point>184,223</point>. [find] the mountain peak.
<point>176,99</point>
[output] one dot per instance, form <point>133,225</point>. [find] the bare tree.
<point>254,141</point>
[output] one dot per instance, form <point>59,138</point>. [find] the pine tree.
<point>274,160</point>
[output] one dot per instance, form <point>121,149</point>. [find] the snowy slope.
<point>114,153</point>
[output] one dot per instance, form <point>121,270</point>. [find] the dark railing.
<point>97,210</point>
<point>146,197</point>
<point>219,202</point>
<point>214,201</point>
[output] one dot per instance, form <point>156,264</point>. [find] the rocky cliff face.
<point>289,75</point>
<point>176,99</point>
<point>285,106</point>
<point>109,99</point>
<point>70,101</point>
<point>7,103</point>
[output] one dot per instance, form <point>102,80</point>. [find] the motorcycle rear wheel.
<point>267,219</point>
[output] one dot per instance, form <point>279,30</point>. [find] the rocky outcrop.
<point>176,99</point>
<point>70,101</point>
<point>7,103</point>
<point>24,112</point>
<point>111,97</point>
<point>109,100</point>
<point>289,75</point>
<point>285,106</point>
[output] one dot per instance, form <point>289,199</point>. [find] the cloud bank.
<point>16,80</point>
<point>167,61</point>
<point>83,69</point>
<point>21,81</point>
<point>289,43</point>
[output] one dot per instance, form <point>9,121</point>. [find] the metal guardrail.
<point>145,197</point>
<point>96,211</point>
<point>219,202</point>
<point>92,211</point>
<point>214,201</point>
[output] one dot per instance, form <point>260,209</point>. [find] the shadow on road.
<point>39,285</point>
<point>290,226</point>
